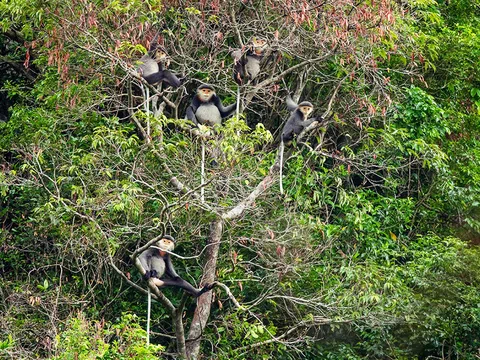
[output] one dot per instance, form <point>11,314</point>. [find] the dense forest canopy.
<point>370,252</point>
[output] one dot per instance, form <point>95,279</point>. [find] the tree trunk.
<point>204,302</point>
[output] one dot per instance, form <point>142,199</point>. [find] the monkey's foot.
<point>206,288</point>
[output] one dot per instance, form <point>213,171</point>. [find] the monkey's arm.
<point>191,115</point>
<point>238,67</point>
<point>143,258</point>
<point>238,72</point>
<point>169,270</point>
<point>318,118</point>
<point>153,45</point>
<point>288,130</point>
<point>308,122</point>
<point>291,105</point>
<point>224,111</point>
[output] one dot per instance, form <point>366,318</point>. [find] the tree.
<point>102,179</point>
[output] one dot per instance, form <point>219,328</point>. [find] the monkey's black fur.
<point>208,112</point>
<point>152,69</point>
<point>160,266</point>
<point>296,122</point>
<point>165,76</point>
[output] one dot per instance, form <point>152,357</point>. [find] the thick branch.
<point>238,210</point>
<point>204,302</point>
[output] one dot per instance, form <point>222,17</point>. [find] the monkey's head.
<point>166,243</point>
<point>205,93</point>
<point>259,44</point>
<point>160,55</point>
<point>305,108</point>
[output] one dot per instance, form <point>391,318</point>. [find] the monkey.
<point>207,108</point>
<point>152,69</point>
<point>298,119</point>
<point>157,264</point>
<point>248,66</point>
<point>296,123</point>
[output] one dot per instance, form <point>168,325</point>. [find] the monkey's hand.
<point>147,275</point>
<point>153,273</point>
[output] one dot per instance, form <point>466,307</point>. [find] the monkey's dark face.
<point>166,244</point>
<point>160,56</point>
<point>306,111</point>
<point>205,94</point>
<point>259,45</point>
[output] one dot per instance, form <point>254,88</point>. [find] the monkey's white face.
<point>166,244</point>
<point>205,94</point>
<point>161,56</point>
<point>306,110</point>
<point>259,45</point>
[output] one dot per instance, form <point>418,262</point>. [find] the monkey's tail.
<point>149,309</point>
<point>147,112</point>
<point>238,101</point>
<point>202,173</point>
<point>282,147</point>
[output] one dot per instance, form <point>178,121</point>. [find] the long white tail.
<point>149,309</point>
<point>147,112</point>
<point>202,173</point>
<point>238,101</point>
<point>282,147</point>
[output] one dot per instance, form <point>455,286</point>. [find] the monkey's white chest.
<point>252,67</point>
<point>208,114</point>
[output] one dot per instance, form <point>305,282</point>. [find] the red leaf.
<point>27,59</point>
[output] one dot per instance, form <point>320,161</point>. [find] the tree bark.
<point>204,302</point>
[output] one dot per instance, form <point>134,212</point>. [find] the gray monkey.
<point>156,263</point>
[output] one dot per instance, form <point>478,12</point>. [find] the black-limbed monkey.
<point>156,263</point>
<point>247,67</point>
<point>152,69</point>
<point>207,108</point>
<point>298,119</point>
<point>296,123</point>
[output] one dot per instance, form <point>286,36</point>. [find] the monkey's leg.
<point>179,282</point>
<point>154,78</point>
<point>171,79</point>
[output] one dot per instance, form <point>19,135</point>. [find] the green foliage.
<point>83,340</point>
<point>373,251</point>
<point>421,116</point>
